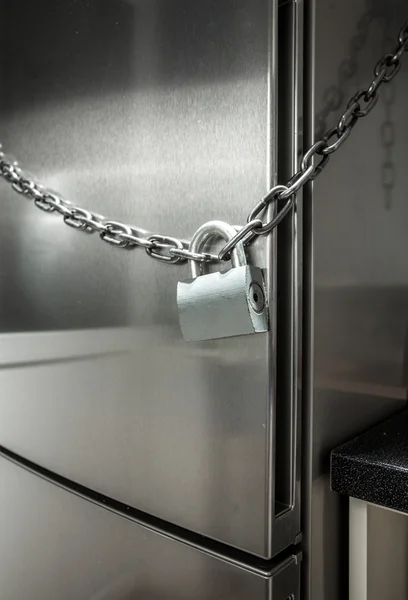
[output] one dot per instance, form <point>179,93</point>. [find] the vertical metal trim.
<point>271,246</point>
<point>297,90</point>
<point>285,518</point>
<point>307,303</point>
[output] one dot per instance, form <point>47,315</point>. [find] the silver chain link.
<point>173,250</point>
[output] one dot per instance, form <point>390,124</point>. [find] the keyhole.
<point>256,297</point>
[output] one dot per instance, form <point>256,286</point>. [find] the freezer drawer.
<point>162,114</point>
<point>55,544</point>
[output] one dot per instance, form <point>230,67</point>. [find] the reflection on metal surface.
<point>334,96</point>
<point>388,135</point>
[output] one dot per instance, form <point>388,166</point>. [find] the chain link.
<point>173,250</point>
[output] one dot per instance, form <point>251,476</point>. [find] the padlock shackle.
<point>215,229</point>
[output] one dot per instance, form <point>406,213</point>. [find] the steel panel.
<point>55,544</point>
<point>161,114</point>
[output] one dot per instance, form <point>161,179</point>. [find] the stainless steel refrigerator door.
<point>55,544</point>
<point>159,113</point>
<point>359,212</point>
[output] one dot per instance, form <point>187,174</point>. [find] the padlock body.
<point>222,304</point>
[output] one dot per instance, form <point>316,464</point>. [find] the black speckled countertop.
<point>374,465</point>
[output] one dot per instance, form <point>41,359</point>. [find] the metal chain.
<point>359,106</point>
<point>173,250</point>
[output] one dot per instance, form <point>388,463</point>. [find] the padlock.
<point>224,303</point>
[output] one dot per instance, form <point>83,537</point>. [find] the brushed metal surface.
<point>161,114</point>
<point>153,112</point>
<point>55,544</point>
<point>360,282</point>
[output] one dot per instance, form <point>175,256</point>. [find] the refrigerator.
<point>133,464</point>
